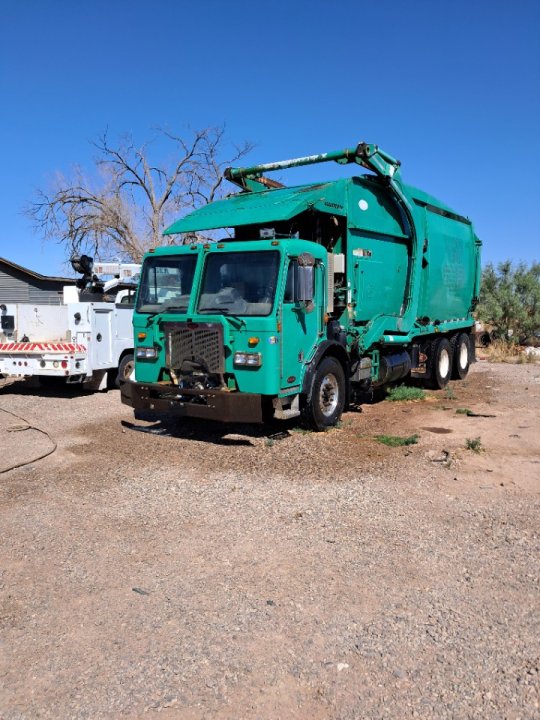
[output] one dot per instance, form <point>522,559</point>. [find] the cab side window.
<point>292,282</point>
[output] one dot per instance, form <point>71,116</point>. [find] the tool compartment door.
<point>101,344</point>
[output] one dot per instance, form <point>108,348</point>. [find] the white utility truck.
<point>87,339</point>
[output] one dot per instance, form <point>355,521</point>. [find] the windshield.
<point>166,283</point>
<point>239,283</point>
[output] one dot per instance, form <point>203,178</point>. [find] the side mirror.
<point>305,284</point>
<point>306,262</point>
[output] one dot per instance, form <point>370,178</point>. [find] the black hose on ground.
<point>27,426</point>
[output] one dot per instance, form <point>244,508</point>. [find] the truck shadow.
<point>32,386</point>
<point>217,433</point>
<point>232,435</point>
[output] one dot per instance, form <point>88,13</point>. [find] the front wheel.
<point>127,363</point>
<point>324,404</point>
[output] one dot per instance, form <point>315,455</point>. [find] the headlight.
<point>146,353</point>
<point>248,359</point>
<point>240,358</point>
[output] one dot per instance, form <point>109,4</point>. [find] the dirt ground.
<point>201,571</point>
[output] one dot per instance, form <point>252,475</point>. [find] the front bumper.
<point>206,404</point>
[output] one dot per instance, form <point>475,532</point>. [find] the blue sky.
<point>450,88</point>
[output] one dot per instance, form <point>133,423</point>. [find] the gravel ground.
<point>198,572</point>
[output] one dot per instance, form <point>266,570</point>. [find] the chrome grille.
<point>200,343</point>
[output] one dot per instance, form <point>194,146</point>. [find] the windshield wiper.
<point>166,308</point>
<point>174,308</point>
<point>226,312</point>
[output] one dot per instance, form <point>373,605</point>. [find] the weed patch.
<point>474,444</point>
<point>472,413</point>
<point>403,392</point>
<point>396,441</point>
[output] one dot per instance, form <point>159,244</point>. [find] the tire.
<point>324,404</point>
<point>440,364</point>
<point>484,339</point>
<point>127,363</point>
<point>461,356</point>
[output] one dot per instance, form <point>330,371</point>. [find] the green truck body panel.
<point>257,208</point>
<point>391,266</point>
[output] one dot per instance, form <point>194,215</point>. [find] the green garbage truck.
<point>312,296</point>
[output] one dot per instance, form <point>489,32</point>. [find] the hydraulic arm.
<point>365,154</point>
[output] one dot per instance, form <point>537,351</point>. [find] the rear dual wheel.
<point>461,346</point>
<point>440,364</point>
<point>449,359</point>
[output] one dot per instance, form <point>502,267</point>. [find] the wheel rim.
<point>463,355</point>
<point>444,363</point>
<point>128,369</point>
<point>329,395</point>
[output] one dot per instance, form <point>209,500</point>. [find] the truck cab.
<point>228,323</point>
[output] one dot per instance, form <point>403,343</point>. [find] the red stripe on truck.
<point>42,347</point>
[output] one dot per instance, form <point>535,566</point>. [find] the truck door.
<point>300,326</point>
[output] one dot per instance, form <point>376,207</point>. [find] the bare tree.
<point>124,210</point>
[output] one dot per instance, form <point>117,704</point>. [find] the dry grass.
<point>508,352</point>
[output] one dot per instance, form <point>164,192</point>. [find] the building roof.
<point>36,275</point>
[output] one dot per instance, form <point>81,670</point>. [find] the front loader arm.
<point>365,154</point>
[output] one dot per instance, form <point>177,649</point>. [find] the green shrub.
<point>510,299</point>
